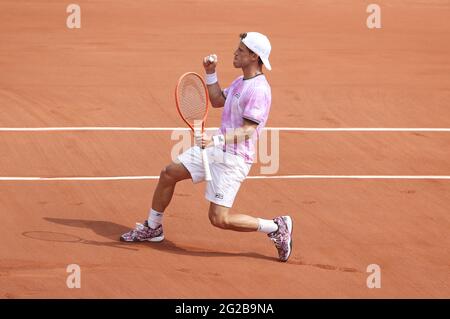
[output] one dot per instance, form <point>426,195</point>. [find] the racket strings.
<point>192,98</point>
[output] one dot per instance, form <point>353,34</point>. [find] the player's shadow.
<point>112,231</point>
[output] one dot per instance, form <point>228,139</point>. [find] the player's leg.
<point>163,194</point>
<point>220,217</point>
<point>221,192</point>
<point>228,174</point>
<point>189,166</point>
<point>151,229</point>
<point>279,230</point>
<point>168,178</point>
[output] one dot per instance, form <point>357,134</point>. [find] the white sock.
<point>267,226</point>
<point>154,219</point>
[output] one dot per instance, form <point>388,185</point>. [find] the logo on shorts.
<point>237,95</point>
<point>219,196</point>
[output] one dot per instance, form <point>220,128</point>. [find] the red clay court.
<point>330,71</point>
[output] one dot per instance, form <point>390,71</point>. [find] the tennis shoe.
<point>143,232</point>
<point>282,238</point>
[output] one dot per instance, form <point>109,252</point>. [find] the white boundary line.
<point>154,177</point>
<point>300,129</point>
<point>350,177</point>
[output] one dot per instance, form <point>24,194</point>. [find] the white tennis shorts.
<point>228,171</point>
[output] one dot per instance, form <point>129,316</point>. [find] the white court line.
<point>48,129</point>
<point>350,177</point>
<point>153,177</point>
<point>300,129</point>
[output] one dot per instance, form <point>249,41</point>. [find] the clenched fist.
<point>210,63</point>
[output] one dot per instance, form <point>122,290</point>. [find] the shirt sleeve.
<point>225,92</point>
<point>256,105</point>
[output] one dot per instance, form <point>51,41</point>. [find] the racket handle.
<point>206,165</point>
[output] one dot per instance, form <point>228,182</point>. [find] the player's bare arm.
<point>233,136</point>
<point>214,90</point>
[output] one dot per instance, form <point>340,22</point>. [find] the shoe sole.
<point>153,240</point>
<point>156,239</point>
<point>290,226</point>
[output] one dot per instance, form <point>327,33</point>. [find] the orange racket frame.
<point>203,151</point>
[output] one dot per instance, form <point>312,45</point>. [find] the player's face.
<point>242,56</point>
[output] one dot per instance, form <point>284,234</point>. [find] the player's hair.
<point>242,36</point>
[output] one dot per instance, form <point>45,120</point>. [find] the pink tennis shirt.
<point>246,99</point>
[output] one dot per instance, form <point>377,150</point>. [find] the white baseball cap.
<point>259,44</point>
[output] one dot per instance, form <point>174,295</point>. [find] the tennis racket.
<point>191,96</point>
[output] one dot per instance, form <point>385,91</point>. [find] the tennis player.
<point>246,104</point>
